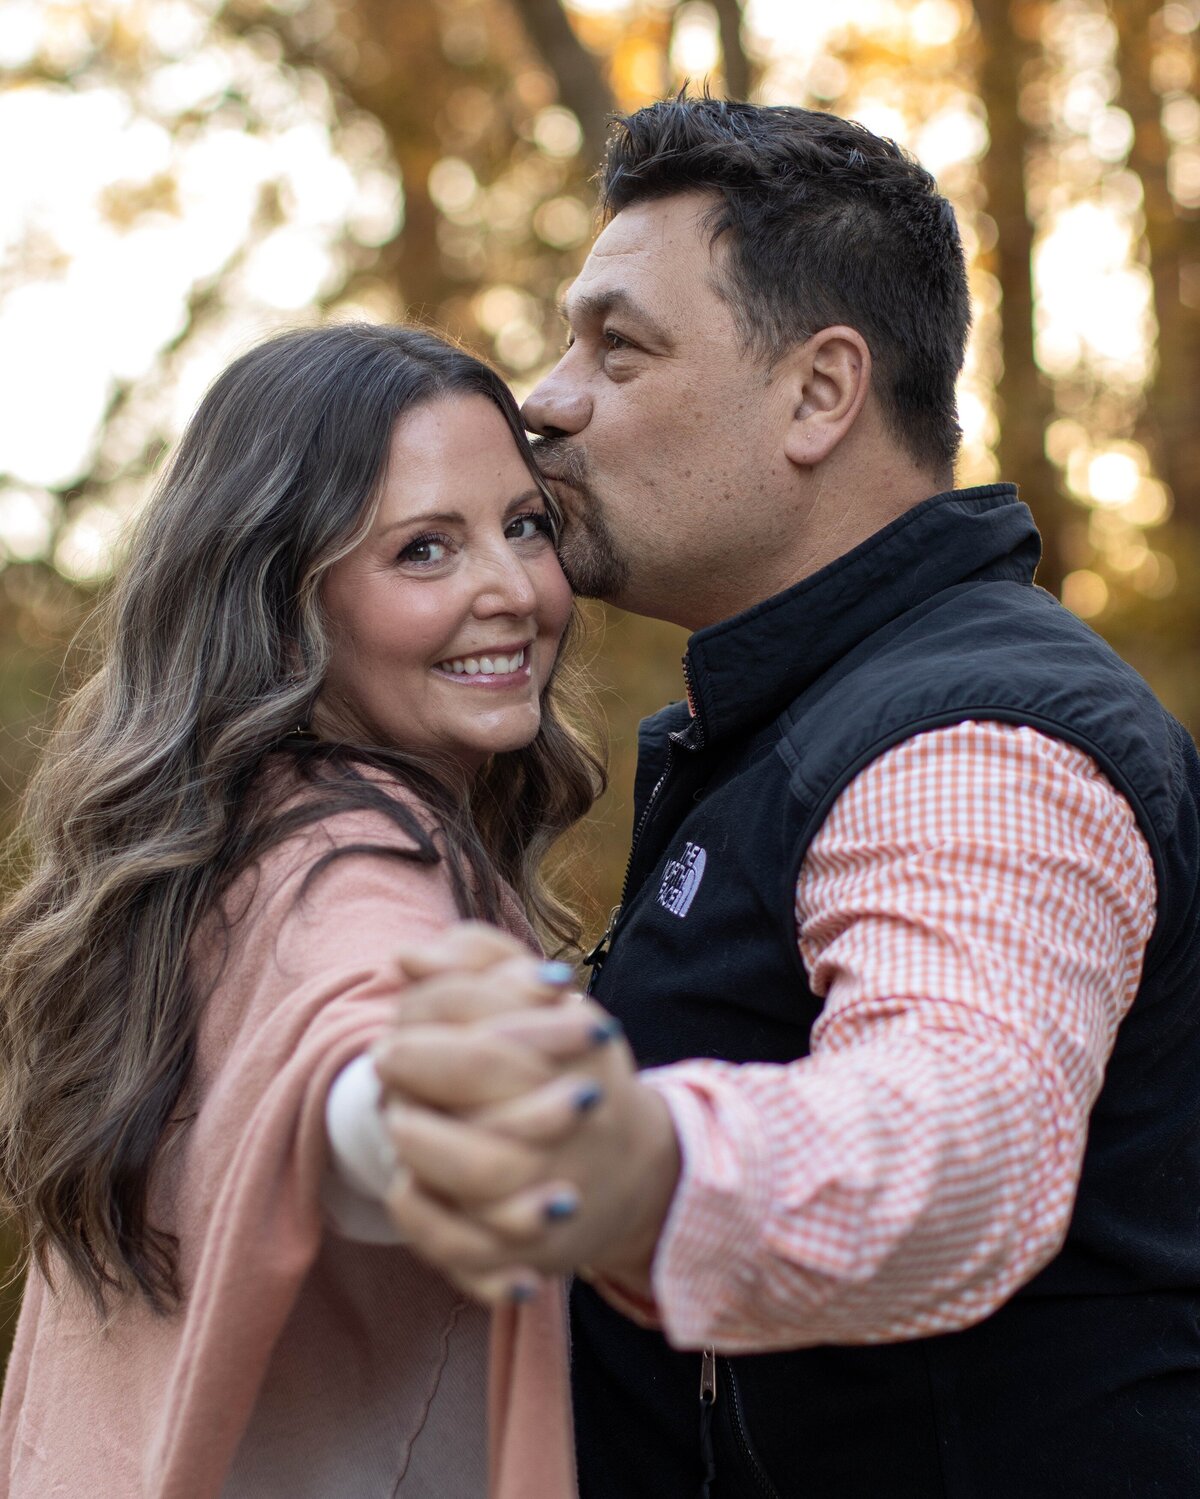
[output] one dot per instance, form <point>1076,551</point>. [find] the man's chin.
<point>594,571</point>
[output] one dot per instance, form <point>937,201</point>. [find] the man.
<point>912,913</point>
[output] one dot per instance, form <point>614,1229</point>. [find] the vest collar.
<point>745,670</point>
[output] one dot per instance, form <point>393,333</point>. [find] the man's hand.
<point>529,1146</point>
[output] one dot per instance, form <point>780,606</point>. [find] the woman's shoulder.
<point>318,915</point>
<point>325,900</point>
<point>325,842</point>
<point>347,861</point>
<point>312,814</point>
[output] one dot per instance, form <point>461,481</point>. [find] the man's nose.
<point>558,406</point>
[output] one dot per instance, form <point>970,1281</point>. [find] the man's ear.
<point>830,378</point>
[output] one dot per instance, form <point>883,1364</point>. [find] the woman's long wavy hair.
<point>149,799</point>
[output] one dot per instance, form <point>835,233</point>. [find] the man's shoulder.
<point>990,651</point>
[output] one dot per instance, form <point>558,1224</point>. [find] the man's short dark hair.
<point>828,224</point>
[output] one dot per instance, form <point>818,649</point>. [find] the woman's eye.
<point>526,527</point>
<point>426,549</point>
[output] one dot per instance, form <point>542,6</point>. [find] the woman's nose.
<point>504,587</point>
<point>558,406</point>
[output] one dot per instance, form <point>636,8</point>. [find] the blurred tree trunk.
<point>1159,636</point>
<point>739,75</point>
<point>1023,394</point>
<point>582,86</point>
<point>1171,429</point>
<point>395,69</point>
<point>404,83</point>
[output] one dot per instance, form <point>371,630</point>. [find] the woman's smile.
<point>499,667</point>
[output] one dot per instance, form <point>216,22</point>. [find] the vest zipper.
<point>708,1402</point>
<point>697,725</point>
<point>761,1479</point>
<point>595,959</point>
<point>708,1399</point>
<point>644,818</point>
<point>672,741</point>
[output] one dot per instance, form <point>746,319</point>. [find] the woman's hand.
<point>529,1145</point>
<point>481,1021</point>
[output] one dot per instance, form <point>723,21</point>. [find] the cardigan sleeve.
<point>302,980</point>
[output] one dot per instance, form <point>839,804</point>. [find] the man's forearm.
<point>830,1202</point>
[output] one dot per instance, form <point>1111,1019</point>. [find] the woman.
<point>327,716</point>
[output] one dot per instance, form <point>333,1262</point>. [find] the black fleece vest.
<point>1087,1383</point>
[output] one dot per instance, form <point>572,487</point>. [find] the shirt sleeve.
<point>974,912</point>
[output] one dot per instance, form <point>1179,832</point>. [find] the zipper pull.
<point>595,959</point>
<point>708,1377</point>
<point>708,1399</point>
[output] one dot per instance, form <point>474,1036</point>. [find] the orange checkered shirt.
<point>974,912</point>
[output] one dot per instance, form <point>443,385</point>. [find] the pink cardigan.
<point>149,1407</point>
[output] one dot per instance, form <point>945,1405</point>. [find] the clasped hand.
<point>527,1144</point>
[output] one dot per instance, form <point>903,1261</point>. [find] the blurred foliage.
<point>179,177</point>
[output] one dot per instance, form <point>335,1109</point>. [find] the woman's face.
<point>445,620</point>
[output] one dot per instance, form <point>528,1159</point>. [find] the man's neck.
<point>835,525</point>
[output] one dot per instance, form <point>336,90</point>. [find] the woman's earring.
<point>302,730</point>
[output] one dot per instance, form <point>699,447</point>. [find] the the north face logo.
<point>681,880</point>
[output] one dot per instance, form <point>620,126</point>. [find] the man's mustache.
<point>557,458</point>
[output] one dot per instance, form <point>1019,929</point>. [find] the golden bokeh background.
<point>179,178</point>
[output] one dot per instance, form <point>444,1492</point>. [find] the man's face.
<point>663,430</point>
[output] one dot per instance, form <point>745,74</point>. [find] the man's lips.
<point>560,465</point>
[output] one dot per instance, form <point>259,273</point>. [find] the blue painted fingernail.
<point>564,1205</point>
<point>606,1030</point>
<point>586,1099</point>
<point>522,1292</point>
<point>556,975</point>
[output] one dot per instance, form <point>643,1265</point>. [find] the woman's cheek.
<point>556,596</point>
<point>419,621</point>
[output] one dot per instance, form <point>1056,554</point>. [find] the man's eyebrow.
<point>597,305</point>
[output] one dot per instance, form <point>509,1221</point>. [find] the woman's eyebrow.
<point>526,497</point>
<point>446,517</point>
<point>456,517</point>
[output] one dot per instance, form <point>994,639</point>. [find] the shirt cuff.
<point>709,1252</point>
<point>362,1158</point>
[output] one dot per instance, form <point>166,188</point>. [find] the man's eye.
<point>426,549</point>
<point>615,341</point>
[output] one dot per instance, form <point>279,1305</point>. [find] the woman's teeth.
<point>488,666</point>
